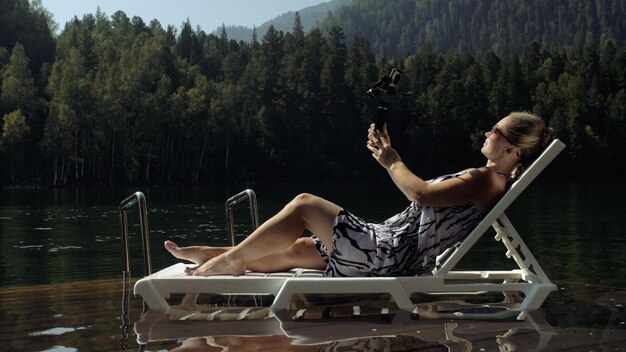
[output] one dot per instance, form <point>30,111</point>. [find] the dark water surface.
<point>60,267</point>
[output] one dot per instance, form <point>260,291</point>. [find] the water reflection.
<point>587,317</point>
<point>395,332</point>
<point>103,315</point>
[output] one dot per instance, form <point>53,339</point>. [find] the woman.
<point>443,211</point>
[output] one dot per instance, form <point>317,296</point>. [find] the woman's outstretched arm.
<point>473,185</point>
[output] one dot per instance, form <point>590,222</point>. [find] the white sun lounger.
<point>528,278</point>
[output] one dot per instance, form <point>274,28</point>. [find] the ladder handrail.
<point>140,199</point>
<point>254,214</point>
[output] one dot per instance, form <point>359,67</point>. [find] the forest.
<point>477,27</point>
<point>115,100</point>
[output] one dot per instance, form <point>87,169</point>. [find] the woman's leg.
<point>302,253</point>
<point>275,236</point>
<point>195,254</point>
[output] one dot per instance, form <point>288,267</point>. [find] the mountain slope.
<point>309,17</point>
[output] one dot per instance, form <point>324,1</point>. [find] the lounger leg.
<point>535,296</point>
<point>403,301</point>
<point>151,295</point>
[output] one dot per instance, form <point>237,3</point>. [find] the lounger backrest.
<point>546,157</point>
<point>528,176</point>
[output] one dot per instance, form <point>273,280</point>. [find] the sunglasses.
<point>498,131</point>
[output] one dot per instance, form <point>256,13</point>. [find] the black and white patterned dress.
<point>404,245</point>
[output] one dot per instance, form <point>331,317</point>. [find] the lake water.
<point>61,264</point>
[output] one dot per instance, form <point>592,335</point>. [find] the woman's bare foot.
<point>219,265</point>
<point>195,254</point>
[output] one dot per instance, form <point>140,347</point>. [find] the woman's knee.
<point>316,213</point>
<point>307,200</point>
<point>302,202</point>
<point>304,199</point>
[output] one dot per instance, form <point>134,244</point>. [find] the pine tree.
<point>18,86</point>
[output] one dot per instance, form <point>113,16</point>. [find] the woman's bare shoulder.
<point>482,173</point>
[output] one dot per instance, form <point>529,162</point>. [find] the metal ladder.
<point>139,199</point>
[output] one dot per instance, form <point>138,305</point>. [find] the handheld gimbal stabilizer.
<point>381,92</point>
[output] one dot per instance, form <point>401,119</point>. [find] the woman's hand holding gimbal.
<point>379,144</point>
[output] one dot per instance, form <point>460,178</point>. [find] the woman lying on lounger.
<point>443,211</point>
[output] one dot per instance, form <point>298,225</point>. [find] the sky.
<point>208,14</point>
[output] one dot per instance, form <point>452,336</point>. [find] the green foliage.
<point>18,86</point>
<point>31,26</point>
<point>401,27</point>
<point>15,132</point>
<point>125,102</point>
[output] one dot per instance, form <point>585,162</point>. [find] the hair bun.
<point>548,136</point>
